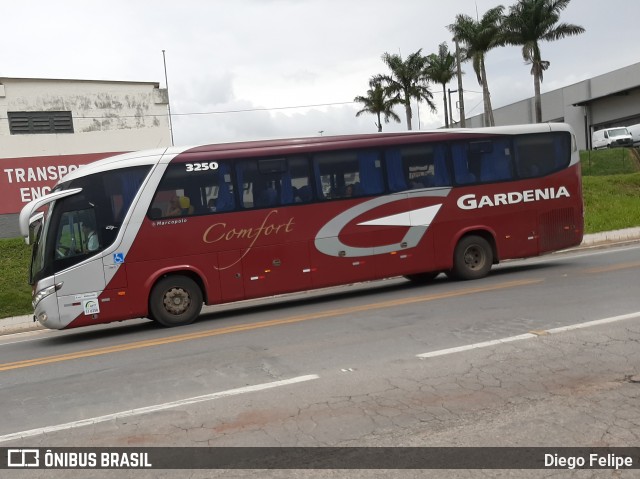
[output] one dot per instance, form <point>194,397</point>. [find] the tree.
<point>408,80</point>
<point>477,38</point>
<point>378,101</point>
<point>529,22</point>
<point>441,68</point>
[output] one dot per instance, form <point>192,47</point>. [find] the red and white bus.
<point>157,234</point>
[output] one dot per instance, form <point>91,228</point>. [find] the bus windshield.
<point>37,254</point>
<point>83,224</point>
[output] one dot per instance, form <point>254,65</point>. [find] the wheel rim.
<point>474,257</point>
<point>176,301</point>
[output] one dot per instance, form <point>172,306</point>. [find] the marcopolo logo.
<point>472,202</point>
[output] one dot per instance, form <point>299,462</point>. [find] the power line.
<point>265,109</point>
<point>214,112</point>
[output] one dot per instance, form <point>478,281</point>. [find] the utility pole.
<point>166,82</point>
<point>451,120</point>
<point>463,123</point>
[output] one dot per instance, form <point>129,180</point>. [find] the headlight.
<point>43,293</point>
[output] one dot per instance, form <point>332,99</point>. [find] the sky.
<point>257,69</point>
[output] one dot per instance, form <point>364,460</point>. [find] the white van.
<point>635,133</point>
<point>611,137</point>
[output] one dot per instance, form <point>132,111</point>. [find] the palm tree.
<point>378,102</point>
<point>529,22</point>
<point>441,68</point>
<point>408,80</point>
<point>477,38</point>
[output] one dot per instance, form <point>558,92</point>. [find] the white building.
<point>50,126</point>
<point>612,99</point>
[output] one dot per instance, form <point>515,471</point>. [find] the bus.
<point>157,234</point>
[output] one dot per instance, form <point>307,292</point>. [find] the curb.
<point>616,236</point>
<point>18,324</point>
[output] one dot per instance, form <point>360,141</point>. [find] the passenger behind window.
<point>185,206</point>
<point>267,197</point>
<point>174,208</point>
<point>304,194</point>
<point>415,183</point>
<point>90,237</point>
<point>348,191</point>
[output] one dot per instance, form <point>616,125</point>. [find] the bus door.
<point>231,277</point>
<point>82,273</point>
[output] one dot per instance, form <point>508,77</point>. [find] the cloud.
<point>254,54</point>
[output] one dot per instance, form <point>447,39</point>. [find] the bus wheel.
<point>472,258</point>
<point>175,301</point>
<point>422,278</point>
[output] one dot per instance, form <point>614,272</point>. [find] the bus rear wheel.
<point>175,301</point>
<point>472,258</point>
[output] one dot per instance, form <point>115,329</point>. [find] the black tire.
<point>472,258</point>
<point>422,278</point>
<point>175,301</point>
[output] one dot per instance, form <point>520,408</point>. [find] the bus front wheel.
<point>175,301</point>
<point>472,258</point>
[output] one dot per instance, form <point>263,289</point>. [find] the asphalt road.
<point>543,352</point>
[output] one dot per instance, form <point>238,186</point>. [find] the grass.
<point>611,202</point>
<point>610,162</point>
<point>611,189</point>
<point>15,293</point>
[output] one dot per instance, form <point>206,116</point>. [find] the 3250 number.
<point>205,166</point>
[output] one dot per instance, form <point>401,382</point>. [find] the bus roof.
<point>298,145</point>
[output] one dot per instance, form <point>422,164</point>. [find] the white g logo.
<point>327,240</point>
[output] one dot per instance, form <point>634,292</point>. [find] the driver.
<point>91,238</point>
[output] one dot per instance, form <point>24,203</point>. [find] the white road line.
<point>597,322</point>
<point>562,329</point>
<point>564,254</point>
<point>485,344</point>
<point>155,408</point>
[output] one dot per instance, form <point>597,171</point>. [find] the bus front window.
<point>37,253</point>
<point>82,223</point>
<point>76,234</point>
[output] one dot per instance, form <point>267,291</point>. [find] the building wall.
<point>108,117</point>
<point>611,99</point>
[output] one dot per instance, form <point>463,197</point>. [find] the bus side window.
<point>495,161</point>
<point>300,177</point>
<point>417,166</point>
<point>342,174</point>
<point>221,199</point>
<point>396,177</point>
<point>539,155</point>
<point>462,166</point>
<point>184,192</point>
<point>270,182</point>
<point>441,176</point>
